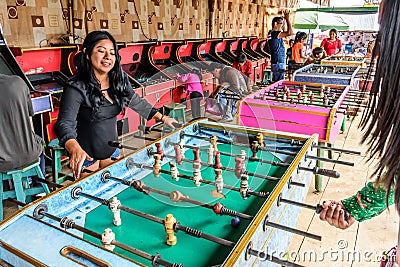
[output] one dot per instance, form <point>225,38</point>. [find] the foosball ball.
<point>348,60</point>
<point>314,73</point>
<point>204,195</point>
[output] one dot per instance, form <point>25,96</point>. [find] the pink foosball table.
<point>298,107</point>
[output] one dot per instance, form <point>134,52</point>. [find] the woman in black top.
<point>91,101</point>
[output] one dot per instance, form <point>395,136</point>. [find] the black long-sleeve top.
<point>92,128</point>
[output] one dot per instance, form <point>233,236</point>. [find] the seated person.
<point>231,82</point>
<point>245,66</point>
<point>19,144</point>
<point>315,58</point>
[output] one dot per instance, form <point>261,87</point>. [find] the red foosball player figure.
<point>238,167</point>
<point>160,151</point>
<point>178,154</point>
<point>196,167</point>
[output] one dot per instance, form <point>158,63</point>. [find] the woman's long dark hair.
<point>381,120</point>
<point>119,83</point>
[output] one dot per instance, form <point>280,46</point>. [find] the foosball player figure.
<point>213,141</point>
<point>288,94</point>
<point>325,100</point>
<point>174,170</point>
<point>260,139</point>
<point>238,167</point>
<point>311,99</point>
<point>244,186</point>
<point>321,91</point>
<point>176,196</point>
<point>169,224</point>
<point>217,164</point>
<point>178,154</point>
<point>299,96</point>
<point>107,237</point>
<point>210,152</point>
<point>254,149</point>
<point>160,151</point>
<point>243,155</point>
<point>219,182</point>
<point>157,165</point>
<point>114,207</point>
<point>197,173</point>
<point>303,88</point>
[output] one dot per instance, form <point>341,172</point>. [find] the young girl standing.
<point>194,90</point>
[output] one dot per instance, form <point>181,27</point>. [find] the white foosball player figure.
<point>196,173</point>
<point>244,186</point>
<point>219,182</point>
<point>210,152</point>
<point>114,207</point>
<point>174,170</point>
<point>106,238</point>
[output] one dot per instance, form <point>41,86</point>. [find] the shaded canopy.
<point>321,20</point>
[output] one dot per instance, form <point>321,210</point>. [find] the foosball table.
<point>314,73</point>
<point>206,194</point>
<point>300,107</point>
<point>348,60</point>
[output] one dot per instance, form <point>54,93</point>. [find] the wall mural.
<point>37,23</point>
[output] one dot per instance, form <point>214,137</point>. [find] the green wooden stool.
<point>267,78</point>
<point>57,152</point>
<point>22,189</point>
<point>176,111</point>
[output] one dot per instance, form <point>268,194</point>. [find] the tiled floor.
<point>360,245</point>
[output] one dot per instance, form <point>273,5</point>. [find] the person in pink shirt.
<point>194,90</point>
<point>332,45</point>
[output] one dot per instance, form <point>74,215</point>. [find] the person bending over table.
<point>91,101</point>
<point>231,82</point>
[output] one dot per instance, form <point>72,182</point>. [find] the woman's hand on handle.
<point>333,212</point>
<point>170,122</point>
<point>77,157</point>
